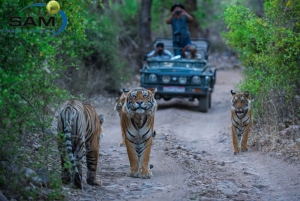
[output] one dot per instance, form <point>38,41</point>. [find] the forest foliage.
<point>269,48</point>
<point>37,73</point>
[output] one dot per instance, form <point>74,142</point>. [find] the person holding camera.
<point>160,52</point>
<point>179,20</point>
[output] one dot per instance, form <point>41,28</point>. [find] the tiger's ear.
<point>232,92</point>
<point>246,93</point>
<point>153,90</point>
<point>101,118</point>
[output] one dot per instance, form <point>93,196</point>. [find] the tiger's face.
<point>240,103</point>
<point>141,101</point>
<point>120,102</point>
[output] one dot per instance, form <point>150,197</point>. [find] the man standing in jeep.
<point>181,34</point>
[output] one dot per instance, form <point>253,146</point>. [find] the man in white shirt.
<point>160,52</point>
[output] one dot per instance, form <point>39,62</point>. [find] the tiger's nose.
<point>139,102</point>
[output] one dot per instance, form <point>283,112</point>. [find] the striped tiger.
<point>118,108</point>
<point>241,120</point>
<point>137,122</point>
<point>80,129</point>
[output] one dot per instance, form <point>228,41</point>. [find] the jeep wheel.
<point>209,103</point>
<point>203,103</point>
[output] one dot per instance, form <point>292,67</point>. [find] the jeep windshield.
<point>184,63</point>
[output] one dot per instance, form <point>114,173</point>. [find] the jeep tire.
<point>203,103</point>
<point>209,103</point>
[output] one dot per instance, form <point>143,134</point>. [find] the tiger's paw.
<point>145,175</point>
<point>244,149</point>
<point>78,181</point>
<point>66,178</point>
<point>133,174</point>
<point>236,151</point>
<point>94,182</point>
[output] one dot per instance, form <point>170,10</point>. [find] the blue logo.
<point>52,7</point>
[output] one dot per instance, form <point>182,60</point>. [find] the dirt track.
<point>192,158</point>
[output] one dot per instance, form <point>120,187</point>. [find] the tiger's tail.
<point>69,130</point>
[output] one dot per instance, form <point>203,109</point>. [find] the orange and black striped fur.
<point>118,108</point>
<point>241,120</point>
<point>137,122</point>
<point>80,129</point>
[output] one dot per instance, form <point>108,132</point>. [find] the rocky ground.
<point>192,157</point>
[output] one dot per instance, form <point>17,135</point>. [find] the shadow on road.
<point>177,103</point>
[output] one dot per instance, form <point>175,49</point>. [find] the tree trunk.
<point>260,12</point>
<point>145,28</point>
<point>194,26</point>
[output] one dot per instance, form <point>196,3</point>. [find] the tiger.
<point>241,120</point>
<point>80,131</point>
<point>137,124</point>
<point>118,108</point>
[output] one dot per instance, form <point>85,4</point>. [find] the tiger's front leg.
<point>123,138</point>
<point>235,142</point>
<point>244,146</point>
<point>133,160</point>
<point>144,171</point>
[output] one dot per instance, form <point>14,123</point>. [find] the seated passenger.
<point>160,52</point>
<point>190,52</point>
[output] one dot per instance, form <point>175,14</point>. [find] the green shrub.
<point>269,49</point>
<point>29,70</point>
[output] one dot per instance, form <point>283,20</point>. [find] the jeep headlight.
<point>207,80</point>
<point>182,80</point>
<point>166,79</point>
<point>196,79</point>
<point>152,78</point>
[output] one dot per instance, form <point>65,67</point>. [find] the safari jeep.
<point>179,77</point>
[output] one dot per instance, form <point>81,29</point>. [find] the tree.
<point>145,27</point>
<point>260,11</point>
<point>194,26</point>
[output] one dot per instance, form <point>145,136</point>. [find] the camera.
<point>178,12</point>
<point>176,37</point>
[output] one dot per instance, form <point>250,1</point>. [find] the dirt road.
<point>192,157</point>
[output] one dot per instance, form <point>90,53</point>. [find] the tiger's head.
<point>240,103</point>
<point>140,101</point>
<point>120,102</point>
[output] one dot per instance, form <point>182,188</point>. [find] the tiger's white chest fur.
<point>240,121</point>
<point>138,133</point>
